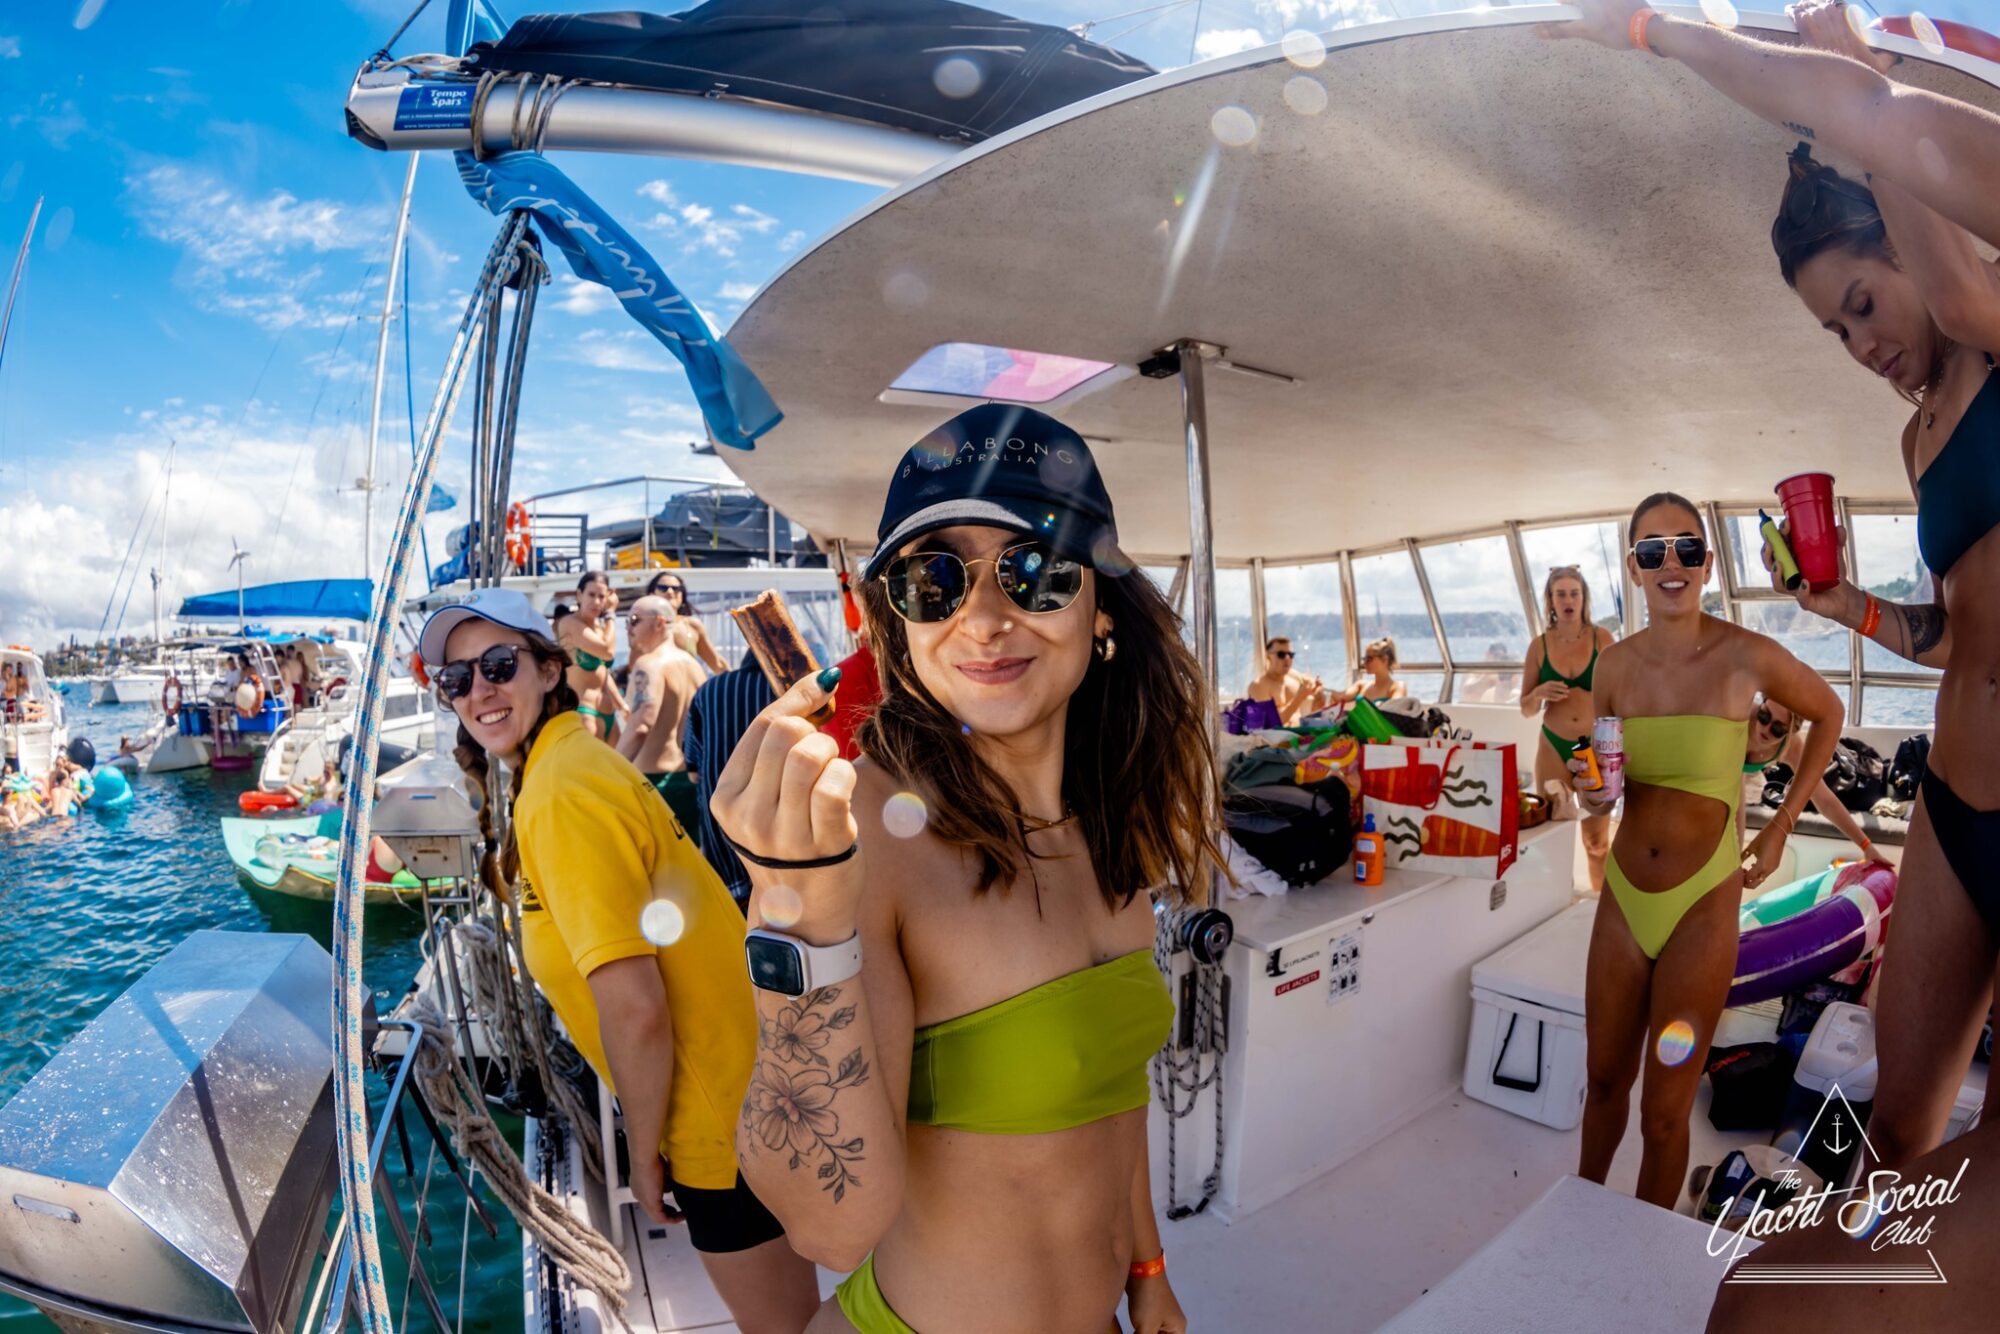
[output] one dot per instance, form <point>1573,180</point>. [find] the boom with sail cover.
<point>316,599</point>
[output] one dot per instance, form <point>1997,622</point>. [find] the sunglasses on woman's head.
<point>1651,552</point>
<point>930,586</point>
<point>1777,729</point>
<point>497,664</point>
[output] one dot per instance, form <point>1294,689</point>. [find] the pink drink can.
<point>1607,738</point>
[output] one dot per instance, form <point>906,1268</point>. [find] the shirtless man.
<point>663,680</point>
<point>1293,693</point>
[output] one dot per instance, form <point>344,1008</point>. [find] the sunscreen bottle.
<point>1368,853</point>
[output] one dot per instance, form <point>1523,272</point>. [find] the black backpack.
<point>1906,771</point>
<point>1298,833</point>
<point>1857,774</point>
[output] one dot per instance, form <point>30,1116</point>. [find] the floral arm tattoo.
<point>790,1107</point>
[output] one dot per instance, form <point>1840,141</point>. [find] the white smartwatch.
<point>790,967</point>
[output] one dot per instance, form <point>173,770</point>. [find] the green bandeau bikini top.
<point>1690,752</point>
<point>589,662</point>
<point>1068,1052</point>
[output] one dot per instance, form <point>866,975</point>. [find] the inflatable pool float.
<point>1812,928</point>
<point>259,800</point>
<point>110,791</point>
<point>299,856</point>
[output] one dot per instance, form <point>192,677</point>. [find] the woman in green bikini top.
<point>1564,700</point>
<point>1664,947</point>
<point>963,1125</point>
<point>590,635</point>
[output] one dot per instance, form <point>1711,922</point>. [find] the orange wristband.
<point>1640,21</point>
<point>1871,619</point>
<point>1152,1268</point>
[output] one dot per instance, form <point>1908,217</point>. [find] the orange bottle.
<point>1368,854</point>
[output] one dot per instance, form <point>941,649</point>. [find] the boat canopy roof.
<point>954,71</point>
<point>322,599</point>
<point>1468,277</point>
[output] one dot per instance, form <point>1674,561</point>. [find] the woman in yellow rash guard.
<point>667,1021</point>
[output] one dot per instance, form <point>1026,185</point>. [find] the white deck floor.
<point>1344,1253</point>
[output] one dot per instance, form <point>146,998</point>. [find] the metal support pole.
<point>1529,607</point>
<point>1350,614</point>
<point>1437,621</point>
<point>381,362</point>
<point>1201,525</point>
<point>1260,627</point>
<point>645,532</point>
<point>1856,667</point>
<point>770,534</point>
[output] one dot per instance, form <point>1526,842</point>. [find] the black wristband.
<point>780,864</point>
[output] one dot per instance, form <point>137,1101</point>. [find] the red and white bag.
<point>1444,806</point>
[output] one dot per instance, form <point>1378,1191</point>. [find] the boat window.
<point>1163,579</point>
<point>1480,604</point>
<point>1594,549</point>
<point>1387,601</point>
<point>1238,655</point>
<point>1898,706</point>
<point>1426,686</point>
<point>1744,545</point>
<point>1010,374</point>
<point>1302,602</point>
<point>1813,640</point>
<point>1887,564</point>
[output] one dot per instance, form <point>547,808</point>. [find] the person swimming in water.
<point>590,638</point>
<point>1663,949</point>
<point>952,1101</point>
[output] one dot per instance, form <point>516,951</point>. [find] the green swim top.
<point>1068,1052</point>
<point>589,662</point>
<point>1581,681</point>
<point>1690,752</point>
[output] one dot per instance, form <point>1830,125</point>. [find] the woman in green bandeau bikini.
<point>1663,950</point>
<point>1556,680</point>
<point>963,1124</point>
<point>590,635</point>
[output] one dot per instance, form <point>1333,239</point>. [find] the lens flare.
<point>1857,19</point>
<point>1304,49</point>
<point>1180,198</point>
<point>958,77</point>
<point>1719,12</point>
<point>965,729</point>
<point>1932,158</point>
<point>56,233</point>
<point>904,815</point>
<point>1927,34</point>
<point>1233,126</point>
<point>1676,1042</point>
<point>781,906</point>
<point>662,922</point>
<point>905,291</point>
<point>1105,555</point>
<point>1305,95</point>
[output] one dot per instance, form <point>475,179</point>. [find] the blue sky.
<point>212,251</point>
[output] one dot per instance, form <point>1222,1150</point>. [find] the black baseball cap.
<point>1003,466</point>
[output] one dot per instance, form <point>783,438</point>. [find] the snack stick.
<point>781,650</point>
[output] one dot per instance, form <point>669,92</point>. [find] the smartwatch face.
<point>776,965</point>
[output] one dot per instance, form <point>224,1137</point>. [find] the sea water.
<point>89,904</point>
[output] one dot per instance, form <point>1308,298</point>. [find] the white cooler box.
<point>1525,1054</point>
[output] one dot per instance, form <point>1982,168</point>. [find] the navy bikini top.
<point>1958,495</point>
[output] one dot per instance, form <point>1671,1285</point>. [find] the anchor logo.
<point>1833,1137</point>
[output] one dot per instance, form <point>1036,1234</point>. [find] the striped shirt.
<point>717,717</point>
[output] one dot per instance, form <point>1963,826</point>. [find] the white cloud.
<point>751,220</point>
<point>245,256</point>
<point>624,350</point>
<point>1324,15</point>
<point>1226,42</point>
<point>660,192</point>
<point>574,296</point>
<point>703,227</point>
<point>737,291</point>
<point>10,48</point>
<point>793,239</point>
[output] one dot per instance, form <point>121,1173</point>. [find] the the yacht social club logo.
<point>1897,1218</point>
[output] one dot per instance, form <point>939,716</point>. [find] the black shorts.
<point>721,1222</point>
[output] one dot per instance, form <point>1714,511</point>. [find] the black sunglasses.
<point>931,586</point>
<point>1777,729</point>
<point>497,664</point>
<point>1281,653</point>
<point>1651,552</point>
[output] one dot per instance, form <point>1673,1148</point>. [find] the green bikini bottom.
<point>606,718</point>
<point>861,1301</point>
<point>1563,745</point>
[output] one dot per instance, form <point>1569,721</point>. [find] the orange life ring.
<point>170,698</point>
<point>252,802</point>
<point>520,535</point>
<point>1955,36</point>
<point>418,670</point>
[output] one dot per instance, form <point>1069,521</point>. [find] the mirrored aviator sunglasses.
<point>497,664</point>
<point>1651,552</point>
<point>930,586</point>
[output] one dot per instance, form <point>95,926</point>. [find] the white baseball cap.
<point>502,606</point>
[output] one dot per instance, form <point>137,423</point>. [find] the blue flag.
<point>439,500</point>
<point>733,401</point>
<point>469,21</point>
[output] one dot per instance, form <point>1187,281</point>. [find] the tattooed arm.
<point>1919,631</point>
<point>641,711</point>
<point>821,1140</point>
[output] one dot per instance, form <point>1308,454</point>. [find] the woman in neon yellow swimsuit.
<point>1556,680</point>
<point>963,1124</point>
<point>591,638</point>
<point>1664,947</point>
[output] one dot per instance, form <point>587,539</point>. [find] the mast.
<point>159,569</point>
<point>20,267</point>
<point>381,362</point>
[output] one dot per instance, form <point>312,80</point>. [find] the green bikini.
<point>1068,1052</point>
<point>1691,752</point>
<point>1581,681</point>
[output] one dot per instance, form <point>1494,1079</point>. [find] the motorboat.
<point>33,727</point>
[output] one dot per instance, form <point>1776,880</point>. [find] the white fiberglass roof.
<point>1512,279</point>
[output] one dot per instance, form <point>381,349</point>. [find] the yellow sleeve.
<point>593,854</point>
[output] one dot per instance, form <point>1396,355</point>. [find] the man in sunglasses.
<point>663,681</point>
<point>1293,694</point>
<point>1774,736</point>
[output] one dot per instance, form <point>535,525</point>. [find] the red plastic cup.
<point>1808,502</point>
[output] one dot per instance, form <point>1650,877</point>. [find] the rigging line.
<point>422,5</point>
<point>326,379</point>
<point>158,518</point>
<point>1195,36</point>
<point>131,545</point>
<point>1083,29</point>
<point>236,432</point>
<point>1123,33</point>
<point>410,399</point>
